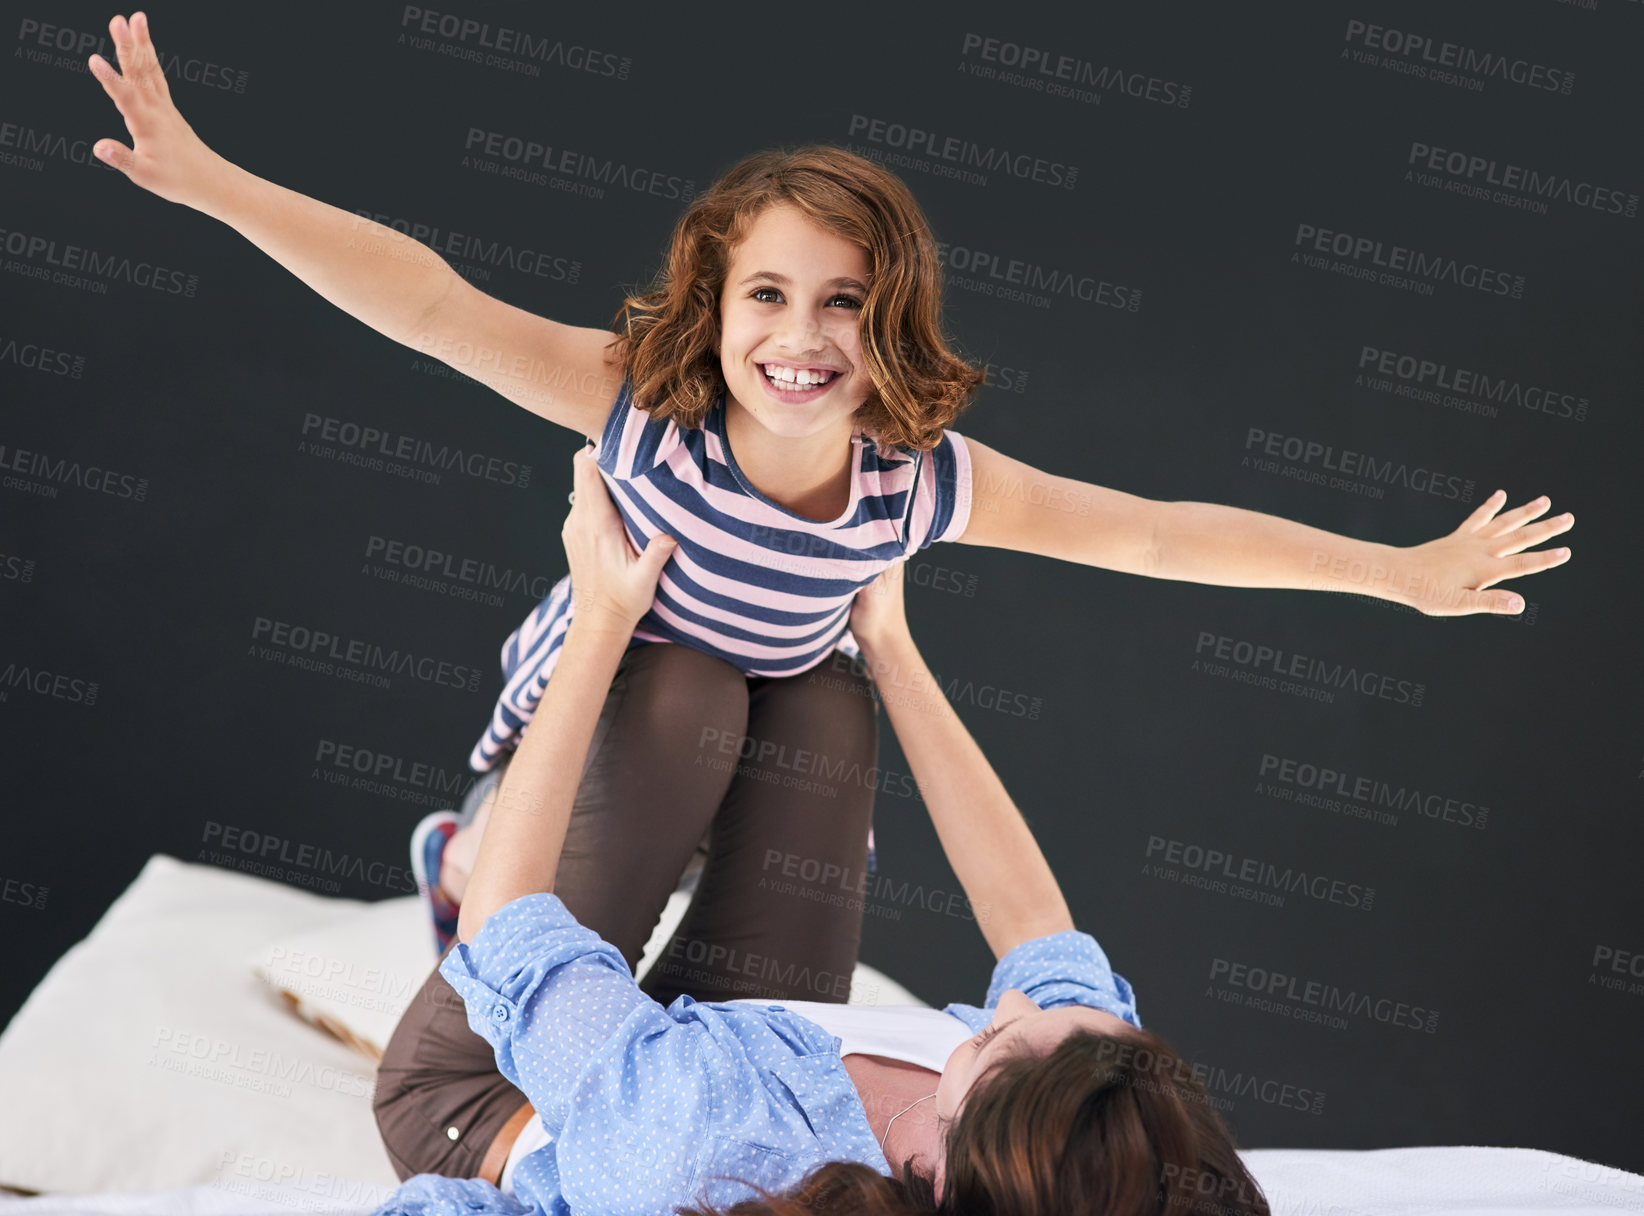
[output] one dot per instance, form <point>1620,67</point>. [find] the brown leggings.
<point>775,771</point>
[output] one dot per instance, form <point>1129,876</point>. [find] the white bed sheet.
<point>1453,1181</point>
<point>231,1152</point>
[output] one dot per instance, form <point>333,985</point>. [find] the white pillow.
<point>151,1057</point>
<point>354,975</point>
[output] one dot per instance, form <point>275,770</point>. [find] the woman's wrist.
<point>895,663</point>
<point>885,642</point>
<point>591,629</point>
<point>873,651</point>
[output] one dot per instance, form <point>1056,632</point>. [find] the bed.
<point>229,1026</point>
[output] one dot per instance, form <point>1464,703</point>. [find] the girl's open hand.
<point>166,157</point>
<point>1450,575</point>
<point>613,585</point>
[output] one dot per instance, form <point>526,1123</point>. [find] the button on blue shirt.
<point>651,1107</point>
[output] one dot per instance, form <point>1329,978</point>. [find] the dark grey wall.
<point>1495,983</point>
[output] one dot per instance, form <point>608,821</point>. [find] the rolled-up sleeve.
<point>546,992</point>
<point>645,1105</point>
<point>1066,968</point>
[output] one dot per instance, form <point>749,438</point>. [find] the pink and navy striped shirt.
<point>751,582</point>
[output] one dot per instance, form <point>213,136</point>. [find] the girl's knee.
<point>671,661</point>
<point>845,688</point>
<point>683,687</point>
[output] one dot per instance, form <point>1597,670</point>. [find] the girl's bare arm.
<point>397,286</point>
<point>1016,506</point>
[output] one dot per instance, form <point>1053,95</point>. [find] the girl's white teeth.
<point>804,376</point>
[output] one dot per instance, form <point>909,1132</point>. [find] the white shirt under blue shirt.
<point>650,1107</point>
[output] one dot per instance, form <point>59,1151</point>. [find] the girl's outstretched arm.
<point>399,287</point>
<point>1016,506</point>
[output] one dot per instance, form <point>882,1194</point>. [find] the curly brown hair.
<point>668,333</point>
<point>1112,1124</point>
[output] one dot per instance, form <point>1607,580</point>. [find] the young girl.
<point>779,402</point>
<point>1050,1098</point>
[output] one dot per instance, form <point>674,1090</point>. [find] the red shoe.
<point>432,833</point>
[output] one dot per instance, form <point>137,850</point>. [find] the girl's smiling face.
<point>791,308</point>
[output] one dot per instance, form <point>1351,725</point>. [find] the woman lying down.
<point>1050,1099</point>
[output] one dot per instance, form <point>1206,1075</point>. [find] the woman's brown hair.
<point>1112,1124</point>
<point>669,332</point>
